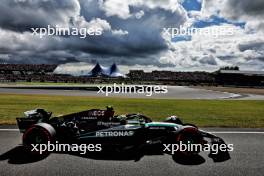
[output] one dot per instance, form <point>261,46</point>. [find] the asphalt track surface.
<point>246,159</point>
<point>174,92</point>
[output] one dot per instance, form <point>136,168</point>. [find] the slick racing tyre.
<point>40,133</point>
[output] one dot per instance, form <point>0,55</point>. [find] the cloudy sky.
<point>133,34</point>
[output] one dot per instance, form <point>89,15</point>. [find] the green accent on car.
<point>161,124</point>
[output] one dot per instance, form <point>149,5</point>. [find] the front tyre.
<point>192,141</point>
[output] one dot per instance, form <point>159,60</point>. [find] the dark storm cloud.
<point>254,45</point>
<point>143,34</point>
<point>237,10</point>
<point>131,36</point>
<point>21,15</point>
<point>253,8</point>
<point>143,38</point>
<point>251,11</point>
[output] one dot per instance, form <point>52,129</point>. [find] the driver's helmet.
<point>174,119</point>
<point>109,108</point>
<point>39,114</point>
<point>109,113</point>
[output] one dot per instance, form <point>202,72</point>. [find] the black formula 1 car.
<point>121,132</point>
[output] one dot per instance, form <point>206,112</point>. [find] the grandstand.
<point>45,73</point>
<point>25,72</point>
<point>240,78</point>
<point>23,68</point>
<point>100,74</point>
<point>170,77</point>
<point>221,77</point>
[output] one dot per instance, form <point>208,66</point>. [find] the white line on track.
<point>9,129</point>
<point>237,132</point>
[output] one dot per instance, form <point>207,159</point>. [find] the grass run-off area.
<point>204,113</point>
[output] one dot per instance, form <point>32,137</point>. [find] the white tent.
<point>100,70</point>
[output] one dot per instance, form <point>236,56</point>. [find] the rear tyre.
<point>41,133</point>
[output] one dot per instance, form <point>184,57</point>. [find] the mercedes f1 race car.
<point>117,132</point>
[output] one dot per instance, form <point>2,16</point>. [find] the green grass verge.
<point>41,83</point>
<point>209,113</point>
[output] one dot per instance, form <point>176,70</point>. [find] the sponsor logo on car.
<point>97,113</point>
<point>114,133</point>
<point>108,123</point>
<point>88,118</point>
